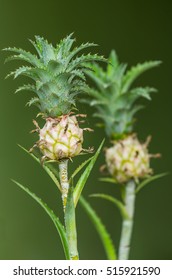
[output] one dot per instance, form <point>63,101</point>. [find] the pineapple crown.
<point>58,74</point>
<point>115,99</point>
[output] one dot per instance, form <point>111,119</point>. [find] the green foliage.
<point>148,180</point>
<point>52,216</point>
<point>114,97</point>
<point>54,174</point>
<point>84,177</point>
<point>101,230</point>
<point>136,71</point>
<point>72,199</point>
<point>46,166</point>
<point>118,203</point>
<point>58,73</point>
<point>108,180</point>
<point>79,168</point>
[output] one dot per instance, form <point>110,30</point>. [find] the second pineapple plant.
<point>115,101</point>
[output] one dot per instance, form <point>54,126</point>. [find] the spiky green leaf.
<point>135,72</point>
<point>46,50</point>
<point>80,48</point>
<point>45,166</point>
<point>34,101</point>
<point>28,87</point>
<point>52,216</point>
<point>108,180</point>
<point>148,180</point>
<point>101,230</point>
<point>84,177</point>
<point>116,202</point>
<point>79,168</point>
<point>141,92</point>
<point>113,63</point>
<point>79,61</point>
<point>23,55</point>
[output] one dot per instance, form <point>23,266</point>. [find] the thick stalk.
<point>69,210</point>
<point>63,174</point>
<point>127,224</point>
<point>70,223</point>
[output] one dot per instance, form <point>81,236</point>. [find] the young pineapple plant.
<point>115,100</point>
<point>58,75</point>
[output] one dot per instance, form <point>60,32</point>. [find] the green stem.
<point>63,174</point>
<point>127,224</point>
<point>69,210</point>
<point>70,223</point>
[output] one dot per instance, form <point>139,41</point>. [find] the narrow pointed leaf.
<point>150,179</point>
<point>143,92</point>
<point>83,179</point>
<point>115,201</point>
<point>52,216</point>
<point>80,48</point>
<point>101,230</point>
<point>136,71</point>
<point>24,55</point>
<point>84,59</point>
<point>34,101</point>
<point>135,110</point>
<point>97,102</point>
<point>28,87</point>
<point>98,81</point>
<point>23,70</point>
<point>77,73</point>
<point>113,63</point>
<point>95,94</point>
<point>108,180</point>
<point>79,168</point>
<point>45,166</point>
<point>46,50</point>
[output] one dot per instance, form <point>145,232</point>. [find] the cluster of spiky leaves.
<point>58,73</point>
<point>115,98</point>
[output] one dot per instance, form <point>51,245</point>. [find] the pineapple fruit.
<point>114,100</point>
<point>128,159</point>
<point>61,138</point>
<point>59,77</point>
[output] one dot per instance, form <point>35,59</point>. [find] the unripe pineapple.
<point>59,77</point>
<point>128,159</point>
<point>114,100</point>
<point>61,138</point>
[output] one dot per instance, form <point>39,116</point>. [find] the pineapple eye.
<point>65,129</point>
<point>136,154</point>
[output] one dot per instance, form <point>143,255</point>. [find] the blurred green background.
<point>139,31</point>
